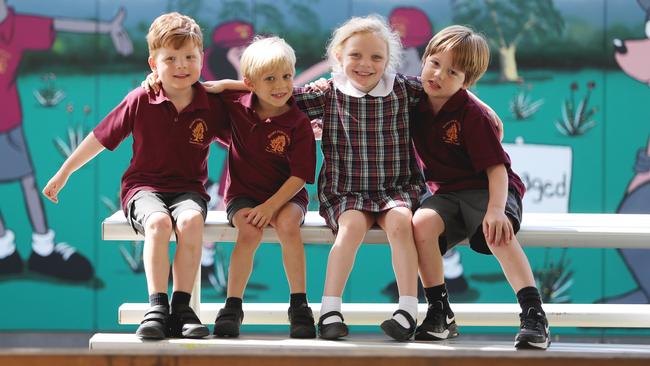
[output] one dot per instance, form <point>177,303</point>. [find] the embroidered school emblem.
<point>278,142</point>
<point>451,134</point>
<point>198,128</point>
<point>4,61</point>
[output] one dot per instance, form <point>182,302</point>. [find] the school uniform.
<point>368,160</point>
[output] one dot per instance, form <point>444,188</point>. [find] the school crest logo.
<point>278,142</point>
<point>4,60</point>
<point>198,128</point>
<point>451,132</point>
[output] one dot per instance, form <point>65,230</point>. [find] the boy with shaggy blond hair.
<point>163,188</point>
<point>476,193</point>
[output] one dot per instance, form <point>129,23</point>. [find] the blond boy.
<point>272,153</point>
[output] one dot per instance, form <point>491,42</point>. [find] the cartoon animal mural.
<point>20,33</point>
<point>415,31</point>
<point>632,56</point>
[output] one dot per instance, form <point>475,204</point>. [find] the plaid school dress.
<point>368,159</point>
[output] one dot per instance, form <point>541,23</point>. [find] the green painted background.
<point>98,78</point>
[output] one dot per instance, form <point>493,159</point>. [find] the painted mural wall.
<point>569,78</point>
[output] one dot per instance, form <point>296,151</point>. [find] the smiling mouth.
<point>279,95</point>
<point>182,76</point>
<point>364,74</point>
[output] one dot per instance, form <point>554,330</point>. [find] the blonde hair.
<point>374,24</point>
<point>173,29</point>
<point>470,51</point>
<point>266,54</point>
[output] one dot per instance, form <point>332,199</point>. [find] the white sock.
<point>43,244</point>
<point>207,256</point>
<point>7,244</point>
<point>410,305</point>
<point>331,303</point>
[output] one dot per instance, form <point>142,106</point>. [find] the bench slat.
<point>537,229</point>
<point>559,315</point>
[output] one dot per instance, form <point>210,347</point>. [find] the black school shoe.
<point>228,322</point>
<point>63,263</point>
<point>11,264</point>
<point>301,322</point>
<point>332,331</point>
<point>533,331</point>
<point>395,330</point>
<point>439,324</point>
<point>155,323</point>
<point>183,323</point>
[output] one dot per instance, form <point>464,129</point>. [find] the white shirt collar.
<point>382,89</point>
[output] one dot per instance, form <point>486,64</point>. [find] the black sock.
<point>528,297</point>
<point>180,298</point>
<point>298,299</point>
<point>233,303</point>
<point>437,293</point>
<point>159,298</point>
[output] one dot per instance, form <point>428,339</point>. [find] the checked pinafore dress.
<point>368,159</point>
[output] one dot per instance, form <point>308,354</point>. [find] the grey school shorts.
<point>245,202</point>
<point>145,203</point>
<point>463,213</point>
<point>15,162</point>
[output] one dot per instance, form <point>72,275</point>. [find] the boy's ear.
<point>248,83</point>
<point>152,63</point>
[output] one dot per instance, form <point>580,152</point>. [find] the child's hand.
<point>320,85</point>
<point>261,215</point>
<point>54,186</point>
<point>498,123</point>
<point>215,86</point>
<point>151,83</point>
<point>497,228</point>
<point>317,127</point>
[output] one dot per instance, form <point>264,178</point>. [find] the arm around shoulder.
<point>494,117</point>
<point>218,86</point>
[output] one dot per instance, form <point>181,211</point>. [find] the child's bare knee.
<point>398,228</point>
<point>287,227</point>
<point>158,222</point>
<point>189,221</point>
<point>249,235</point>
<point>426,226</point>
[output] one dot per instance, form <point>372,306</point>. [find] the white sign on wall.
<point>546,172</point>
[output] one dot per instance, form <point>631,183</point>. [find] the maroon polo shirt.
<point>170,149</point>
<point>456,146</point>
<point>263,154</point>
